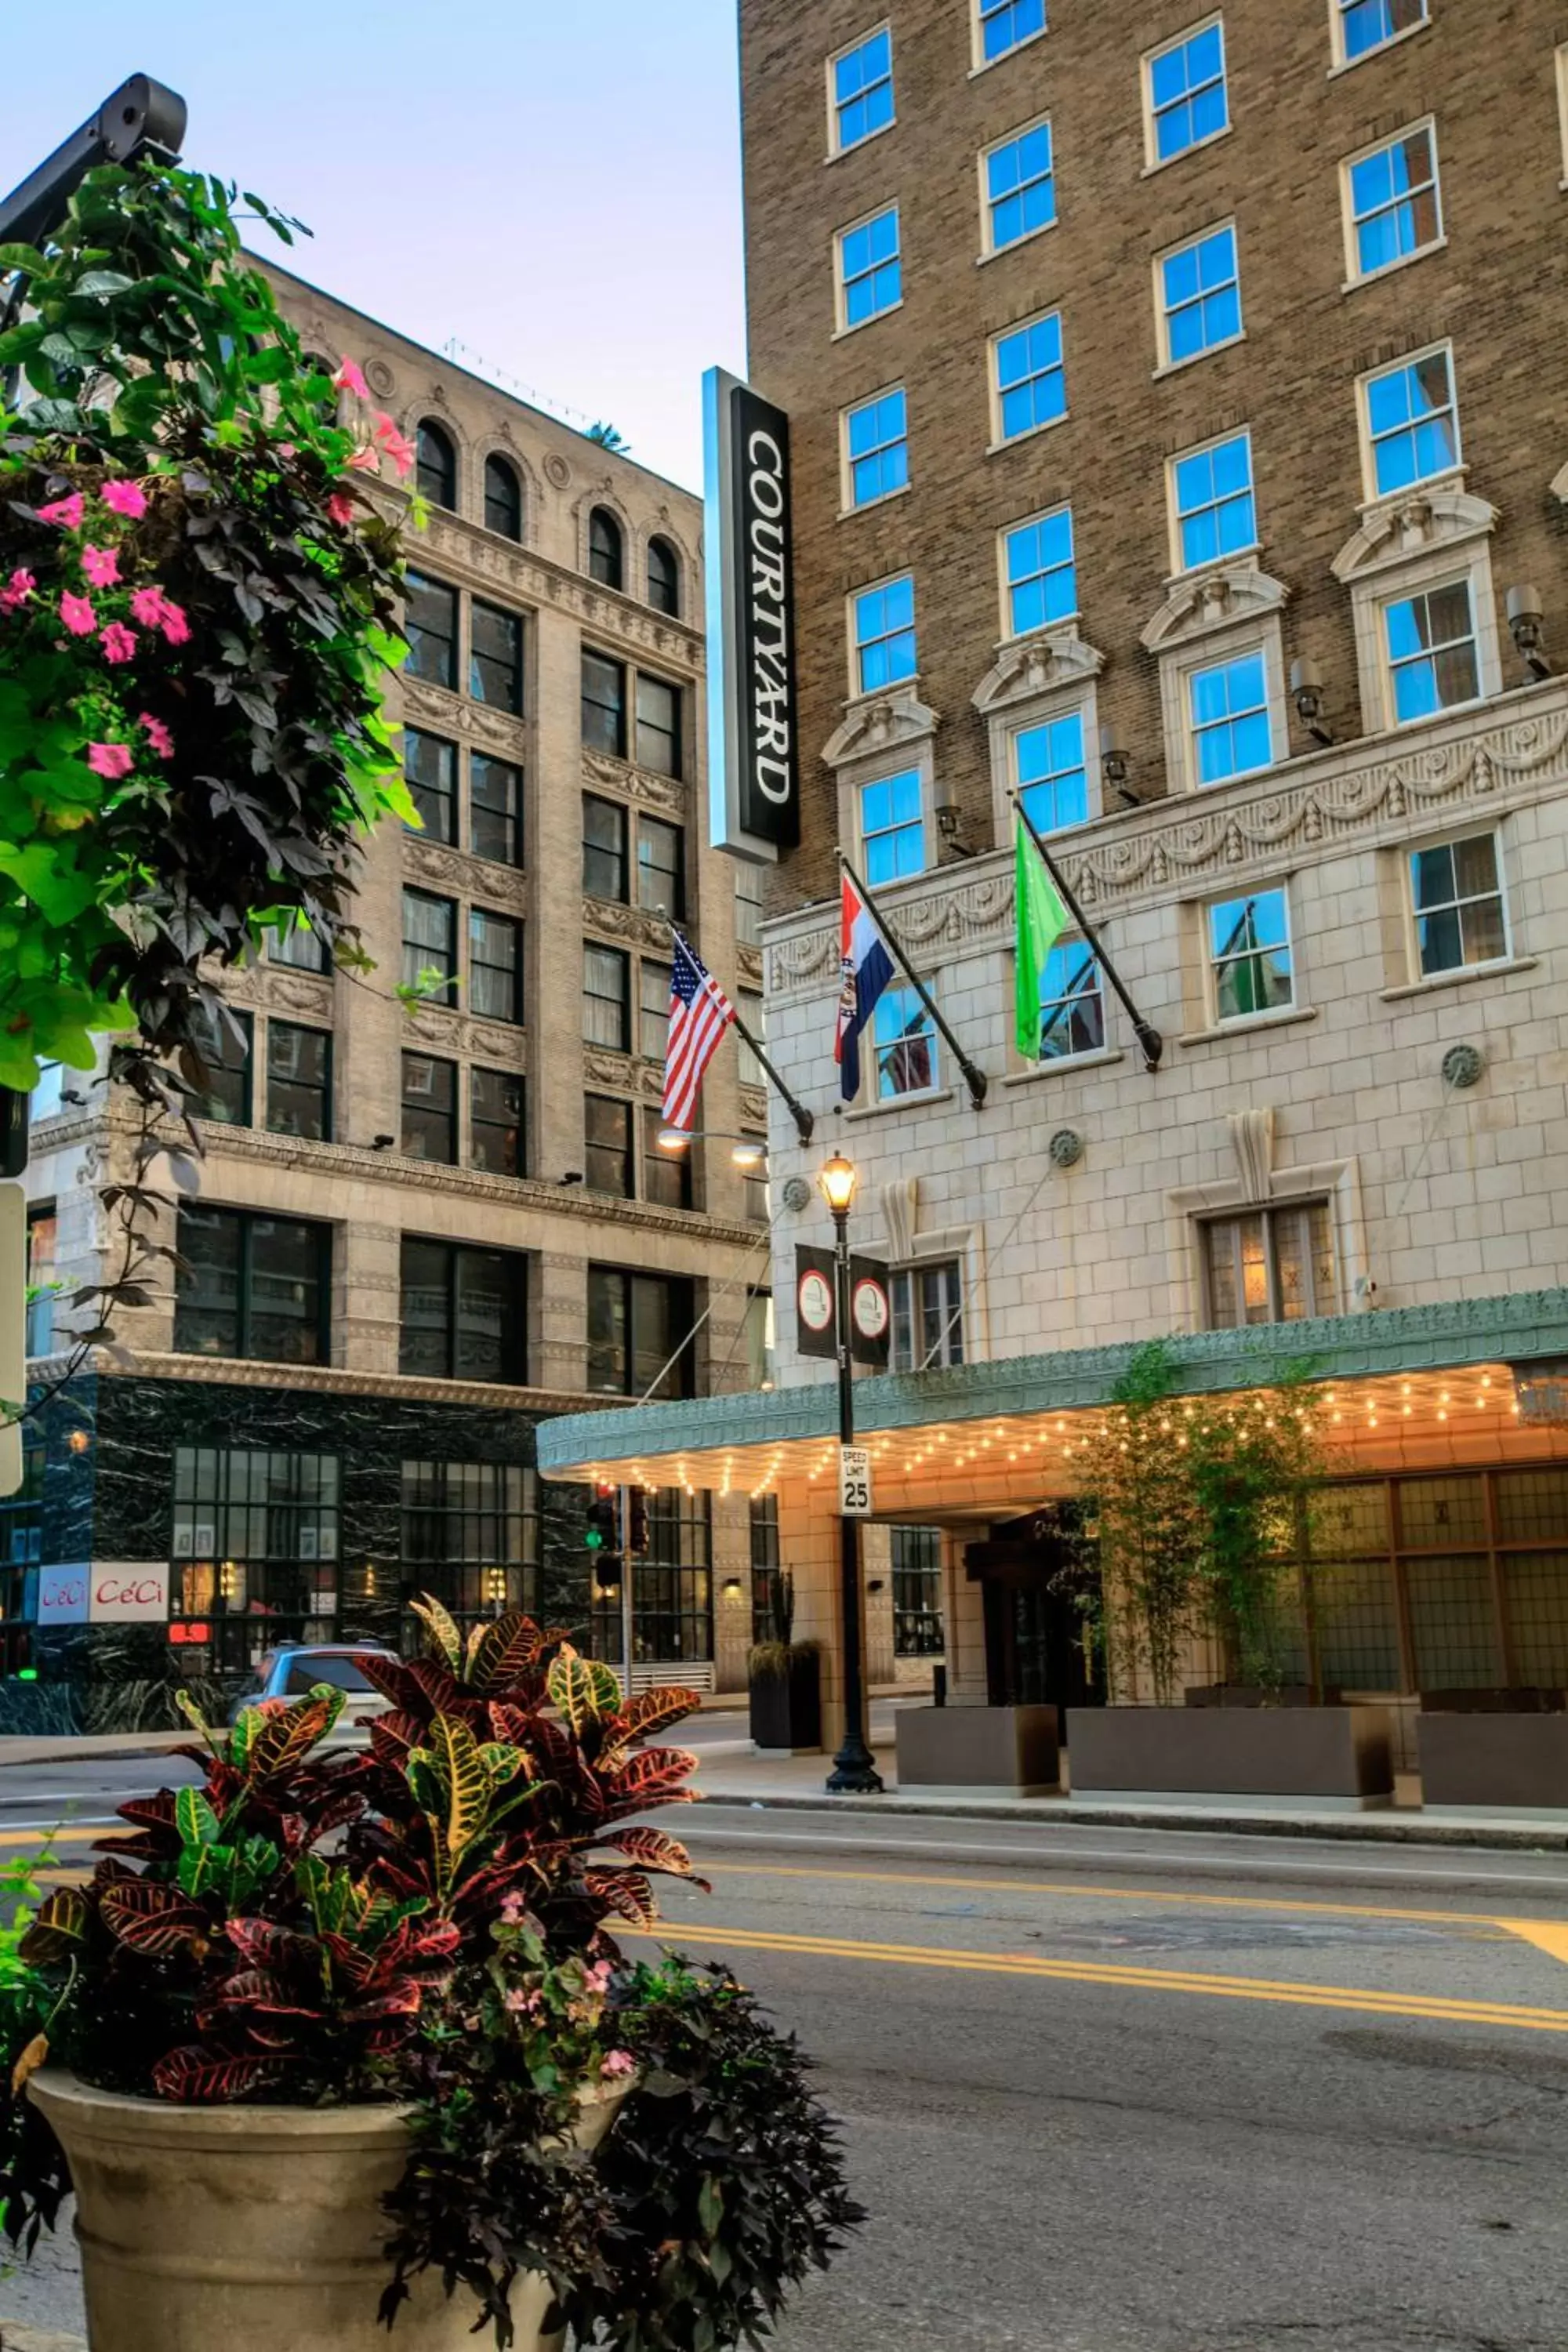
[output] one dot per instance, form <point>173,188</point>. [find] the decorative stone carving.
<point>499,1044</point>
<point>557,472</point>
<point>796,1195</point>
<point>879,723</point>
<point>900,1199</point>
<point>1198,603</point>
<point>603,1068</point>
<point>1412,526</point>
<point>1027,666</point>
<point>1252,1138</point>
<point>1463,1067</point>
<point>748,965</point>
<point>380,378</point>
<point>631,925</point>
<point>666,793</point>
<point>754,1105</point>
<point>1065,1148</point>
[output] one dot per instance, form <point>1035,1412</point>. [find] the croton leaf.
<point>442,1630</point>
<point>156,1920</point>
<point>28,2064</point>
<point>59,1930</point>
<point>249,1725</point>
<point>503,1650</point>
<point>656,1710</point>
<point>654,1851</point>
<point>584,1690</point>
<point>285,1741</point>
<point>453,1754</point>
<point>263,1942</point>
<point>654,1776</point>
<point>196,2076</point>
<point>625,1891</point>
<point>195,1818</point>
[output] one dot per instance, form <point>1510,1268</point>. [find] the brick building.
<point>1177,442</point>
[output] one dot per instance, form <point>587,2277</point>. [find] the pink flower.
<point>511,1909</point>
<point>350,377</point>
<point>154,611</point>
<point>397,446</point>
<point>66,512</point>
<point>523,2004</point>
<point>157,734</point>
<point>365,461</point>
<point>340,509</point>
<point>101,565</point>
<point>22,586</point>
<point>598,1977</point>
<point>77,615</point>
<point>118,643</point>
<point>618,2063</point>
<point>124,498</point>
<point>286,449</point>
<point>174,624</point>
<point>111,760</point>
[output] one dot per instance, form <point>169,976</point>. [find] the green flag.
<point>1041,920</point>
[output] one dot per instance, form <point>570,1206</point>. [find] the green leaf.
<point>98,284</point>
<point>195,1818</point>
<point>49,874</point>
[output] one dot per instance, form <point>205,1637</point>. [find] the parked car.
<point>294,1667</point>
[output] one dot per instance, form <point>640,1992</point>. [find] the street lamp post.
<point>854,1769</point>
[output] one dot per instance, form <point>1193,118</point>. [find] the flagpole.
<point>1148,1036</point>
<point>973,1079</point>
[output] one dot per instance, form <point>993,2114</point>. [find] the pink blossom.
<point>101,565</point>
<point>174,624</point>
<point>77,615</point>
<point>125,499</point>
<point>511,1909</point>
<point>523,2004</point>
<point>340,509</point>
<point>156,611</point>
<point>350,377</point>
<point>365,460</point>
<point>618,2063</point>
<point>67,513</point>
<point>111,760</point>
<point>286,449</point>
<point>397,446</point>
<point>598,1977</point>
<point>157,735</point>
<point>118,643</point>
<point>22,586</point>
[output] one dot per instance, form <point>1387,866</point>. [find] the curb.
<point>15,2337</point>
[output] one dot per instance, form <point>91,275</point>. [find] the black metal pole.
<point>853,1773</point>
<point>803,1122</point>
<point>1148,1036</point>
<point>974,1077</point>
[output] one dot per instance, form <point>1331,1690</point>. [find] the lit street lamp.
<point>747,1151</point>
<point>854,1769</point>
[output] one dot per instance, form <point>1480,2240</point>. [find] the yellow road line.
<point>1433,2007</point>
<point>1546,1934</point>
<point>62,1833</point>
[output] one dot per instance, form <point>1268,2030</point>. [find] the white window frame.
<point>1167,365</point>
<point>989,249</point>
<point>1152,159</point>
<point>1400,576</point>
<point>1354,274</point>
<point>1179,565</point>
<point>1011,635</point>
<point>981,62</point>
<point>872,1095</point>
<point>1374,497</point>
<point>915,1273</point>
<point>840,309</point>
<point>1081,705</point>
<point>1341,62</point>
<point>1238,1021</point>
<point>882,774</point>
<point>1462,576</point>
<point>994,367</point>
<point>1452,835</point>
<point>1213,652</point>
<point>836,146</point>
<point>848,505</point>
<point>857,692</point>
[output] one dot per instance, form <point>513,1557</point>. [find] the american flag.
<point>700,1012</point>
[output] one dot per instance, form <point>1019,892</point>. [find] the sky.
<point>556,185</point>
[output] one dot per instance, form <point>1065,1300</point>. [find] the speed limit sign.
<point>854,1482</point>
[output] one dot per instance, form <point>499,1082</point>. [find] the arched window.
<point>503,500</point>
<point>436,474</point>
<point>606,550</point>
<point>663,576</point>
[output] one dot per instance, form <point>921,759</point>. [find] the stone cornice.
<point>460,552</point>
<point>230,1372</point>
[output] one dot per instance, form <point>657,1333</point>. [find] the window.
<point>251,1287</point>
<point>754,1012</point>
<point>224,1043</point>
<point>928,1317</point>
<point>870,273</point>
<point>661,867</point>
<point>1030,379</point>
<point>765,1565</point>
<point>1020,189</point>
<point>430,624</point>
<point>299,945</point>
<point>674,1619</point>
<point>636,1323</point>
<point>605,849</point>
<point>463,1314</point>
<point>653,1010</point>
<point>470,1535</point>
<point>666,1175</point>
<point>1006,24</point>
<point>606,981</point>
<point>659,726</point>
<point>1072,1004</point>
<point>503,500</point>
<point>1365,25</point>
<point>1431,643</point>
<point>429,1109</point>
<point>430,766</point>
<point>1053,777</point>
<point>299,1081</point>
<point>663,577</point>
<point>884,635</point>
<point>495,965</point>
<point>748,903</point>
<point>1456,893</point>
<point>759,1326</point>
<point>495,660</point>
<point>495,809</point>
<point>1228,707</point>
<point>604,705</point>
<point>1184,92</point>
<point>255,1550</point>
<point>42,1237</point>
<point>1271,1266</point>
<point>1211,489</point>
<point>606,550</point>
<point>916,1592</point>
<point>1250,955</point>
<point>892,828</point>
<point>430,946</point>
<point>1200,296</point>
<point>496,1123</point>
<point>861,82</point>
<point>876,448</point>
<point>435,467</point>
<point>905,1040</point>
<point>1041,577</point>
<point>607,1144</point>
<point>1412,422</point>
<point>1393,209</point>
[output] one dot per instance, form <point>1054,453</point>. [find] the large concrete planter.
<point>1513,1763</point>
<point>980,1750</point>
<point>1329,1757</point>
<point>213,2229</point>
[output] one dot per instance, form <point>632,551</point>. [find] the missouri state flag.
<point>866,970</point>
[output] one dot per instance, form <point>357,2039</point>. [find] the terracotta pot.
<point>206,2227</point>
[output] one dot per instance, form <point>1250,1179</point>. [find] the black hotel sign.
<point>753,752</point>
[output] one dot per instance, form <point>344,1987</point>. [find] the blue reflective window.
<point>905,1039</point>
<point>877,440</point>
<point>1394,208</point>
<point>1005,23</point>
<point>863,91</point>
<point>1042,578</point>
<point>1249,954</point>
<point>1215,515</point>
<point>892,828</point>
<point>869,268</point>
<point>1229,710</point>
<point>1187,93</point>
<point>1202,292</point>
<point>1053,781</point>
<point>1031,381</point>
<point>1366,24</point>
<point>1020,187</point>
<point>1432,660</point>
<point>1412,422</point>
<point>884,635</point>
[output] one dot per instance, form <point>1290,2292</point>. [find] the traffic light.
<point>603,1538</point>
<point>636,1521</point>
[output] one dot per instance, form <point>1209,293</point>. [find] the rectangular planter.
<point>787,1710</point>
<point>1334,1758</point>
<point>997,1750</point>
<point>1512,1762</point>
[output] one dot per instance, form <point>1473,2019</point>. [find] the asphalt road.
<point>1145,2092</point>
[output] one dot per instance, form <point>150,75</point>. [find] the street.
<point>1136,2091</point>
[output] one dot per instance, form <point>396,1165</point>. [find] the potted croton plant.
<point>343,2037</point>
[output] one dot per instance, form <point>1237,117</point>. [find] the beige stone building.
<point>420,1232</point>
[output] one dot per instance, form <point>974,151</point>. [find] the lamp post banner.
<point>753,756</point>
<point>816,1311</point>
